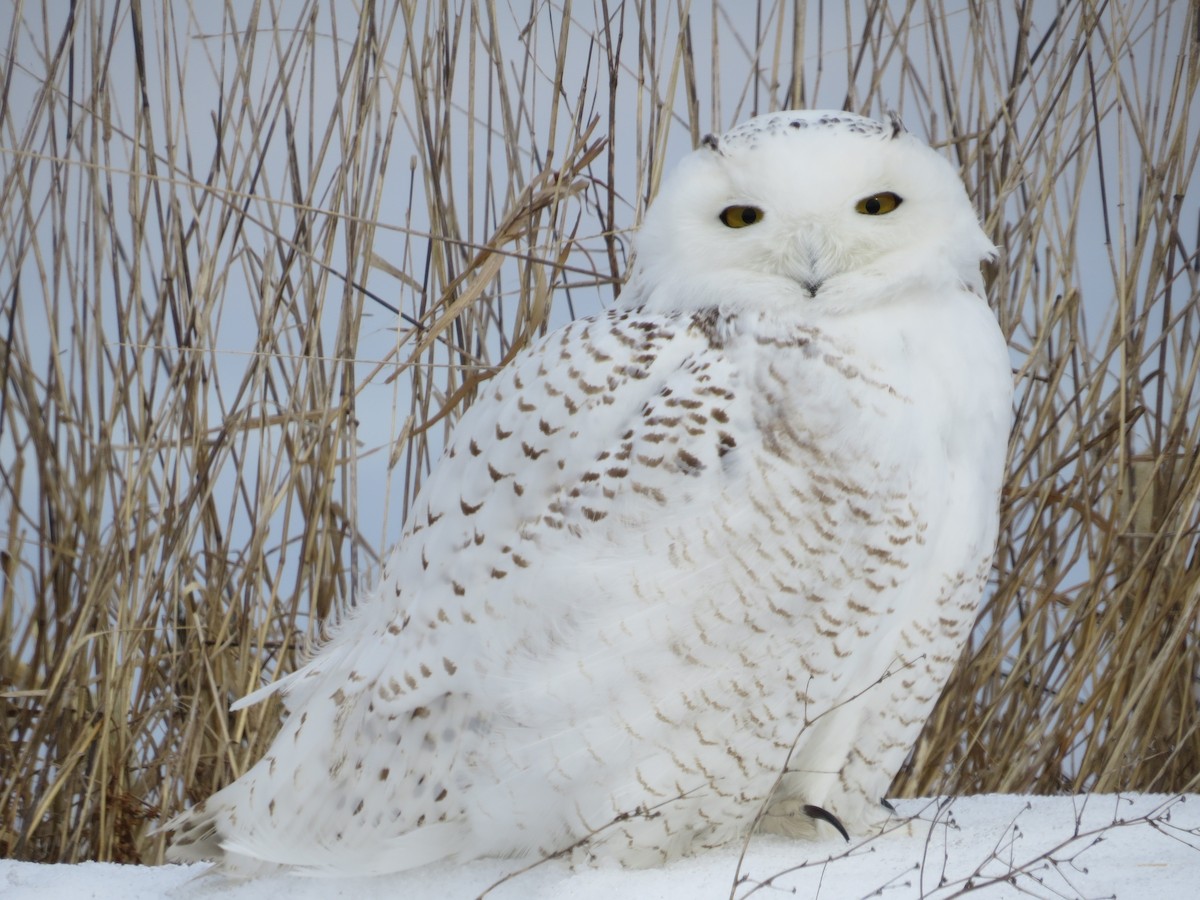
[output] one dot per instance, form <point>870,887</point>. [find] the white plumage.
<point>743,518</point>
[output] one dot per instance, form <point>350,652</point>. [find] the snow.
<point>1135,845</point>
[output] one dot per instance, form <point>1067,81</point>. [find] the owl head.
<point>823,212</point>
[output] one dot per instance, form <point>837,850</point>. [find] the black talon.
<point>883,802</point>
<point>826,816</point>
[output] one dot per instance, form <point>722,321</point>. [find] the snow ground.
<point>1132,846</point>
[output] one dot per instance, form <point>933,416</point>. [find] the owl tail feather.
<point>419,847</point>
<point>199,837</point>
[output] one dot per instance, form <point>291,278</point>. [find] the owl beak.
<point>809,268</point>
<point>809,278</point>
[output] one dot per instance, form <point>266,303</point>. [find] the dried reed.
<point>254,266</point>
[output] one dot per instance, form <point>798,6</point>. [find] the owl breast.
<point>780,526</point>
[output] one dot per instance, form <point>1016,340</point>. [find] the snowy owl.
<point>696,565</point>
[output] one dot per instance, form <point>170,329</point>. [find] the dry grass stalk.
<point>185,298</point>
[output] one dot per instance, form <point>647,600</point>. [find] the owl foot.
<point>796,819</point>
<point>825,815</point>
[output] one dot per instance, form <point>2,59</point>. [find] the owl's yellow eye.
<point>878,204</point>
<point>740,216</point>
